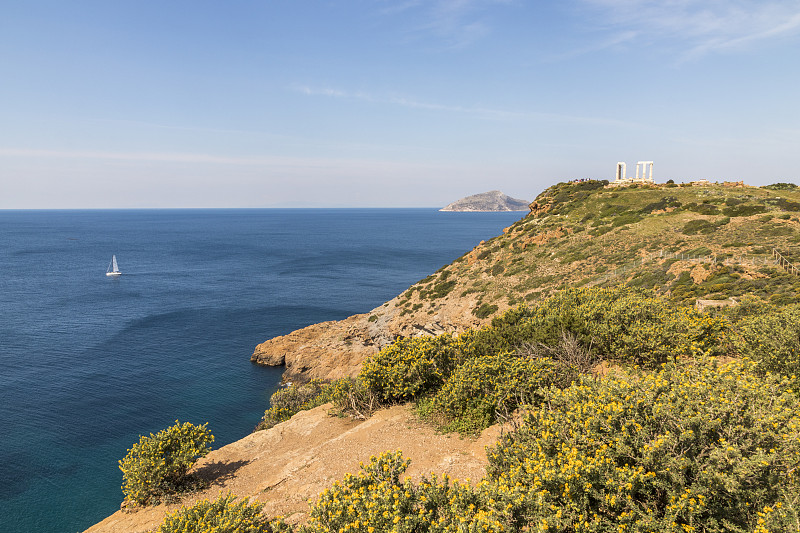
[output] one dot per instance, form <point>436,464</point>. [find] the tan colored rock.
<point>328,350</point>
<point>289,465</point>
<point>336,349</point>
<point>538,209</point>
<point>700,273</point>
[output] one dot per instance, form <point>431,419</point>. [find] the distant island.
<point>488,201</point>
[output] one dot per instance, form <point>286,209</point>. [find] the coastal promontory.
<point>632,272</point>
<point>488,201</point>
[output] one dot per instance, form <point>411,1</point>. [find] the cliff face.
<point>336,349</point>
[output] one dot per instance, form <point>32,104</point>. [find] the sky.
<point>378,103</point>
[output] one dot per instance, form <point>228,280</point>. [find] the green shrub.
<point>689,448</point>
<point>505,334</point>
<point>787,205</point>
<point>156,466</point>
<point>703,208</point>
<point>625,219</point>
<point>223,515</point>
<point>626,324</point>
<point>482,387</point>
<point>744,210</point>
<point>780,186</point>
<point>443,288</point>
<point>484,310</point>
<point>660,205</point>
<point>348,396</point>
<point>772,337</point>
<point>650,279</point>
<point>290,400</point>
<point>698,226</point>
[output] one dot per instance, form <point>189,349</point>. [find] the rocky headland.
<point>336,349</point>
<point>576,234</point>
<point>488,201</point>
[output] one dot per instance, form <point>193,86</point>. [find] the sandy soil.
<point>288,466</point>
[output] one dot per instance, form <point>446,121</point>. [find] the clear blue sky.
<point>108,103</point>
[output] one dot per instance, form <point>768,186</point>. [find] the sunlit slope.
<point>687,242</point>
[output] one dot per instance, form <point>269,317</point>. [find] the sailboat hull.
<point>113,274</point>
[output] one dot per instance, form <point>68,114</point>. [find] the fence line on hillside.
<point>785,264</point>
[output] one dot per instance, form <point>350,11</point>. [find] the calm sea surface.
<point>88,363</point>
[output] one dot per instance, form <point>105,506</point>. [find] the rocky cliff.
<point>335,349</point>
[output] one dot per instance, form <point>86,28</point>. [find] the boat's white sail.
<point>113,269</point>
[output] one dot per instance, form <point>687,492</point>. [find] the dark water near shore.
<point>88,363</point>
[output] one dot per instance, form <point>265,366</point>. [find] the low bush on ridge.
<point>156,466</point>
<point>350,396</point>
<point>223,515</point>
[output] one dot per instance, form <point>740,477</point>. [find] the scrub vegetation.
<point>581,234</point>
<point>156,467</point>
<point>695,427</point>
<point>628,408</point>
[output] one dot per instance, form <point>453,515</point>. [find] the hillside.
<point>488,201</point>
<point>655,403</point>
<point>704,242</point>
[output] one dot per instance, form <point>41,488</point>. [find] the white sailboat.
<point>113,269</point>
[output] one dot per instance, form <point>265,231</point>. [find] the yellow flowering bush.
<point>377,501</point>
<point>691,447</point>
<point>773,339</point>
<point>223,515</point>
<point>411,367</point>
<point>157,465</point>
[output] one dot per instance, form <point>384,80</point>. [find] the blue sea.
<point>88,362</point>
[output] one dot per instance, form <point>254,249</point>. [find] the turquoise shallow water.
<point>89,363</point>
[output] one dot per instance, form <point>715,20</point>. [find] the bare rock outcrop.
<point>290,464</point>
<point>336,349</point>
<point>328,350</point>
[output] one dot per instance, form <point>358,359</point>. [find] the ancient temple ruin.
<point>621,179</point>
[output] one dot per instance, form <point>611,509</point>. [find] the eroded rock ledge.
<point>336,349</point>
<point>290,464</point>
<point>328,350</point>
